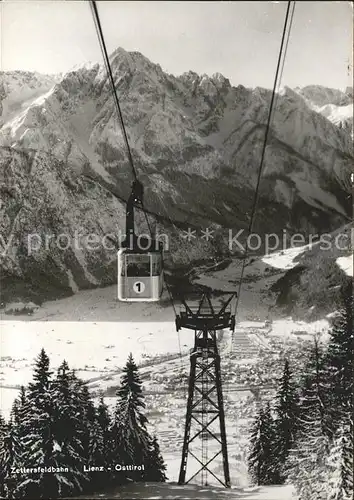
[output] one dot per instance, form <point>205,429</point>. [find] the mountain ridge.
<point>194,139</point>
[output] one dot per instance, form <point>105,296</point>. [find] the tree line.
<point>305,435</point>
<point>55,425</point>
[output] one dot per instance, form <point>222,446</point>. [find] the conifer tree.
<point>131,437</point>
<point>262,461</point>
<point>20,414</point>
<point>320,465</point>
<point>286,417</point>
<point>67,432</point>
<point>103,425</point>
<point>104,421</point>
<point>2,430</point>
<point>90,423</point>
<point>12,450</point>
<point>340,364</point>
<point>340,464</point>
<point>155,468</point>
<point>257,454</point>
<point>101,449</point>
<point>23,407</point>
<point>39,442</point>
<point>10,458</point>
<point>312,399</point>
<point>121,450</point>
<point>340,370</point>
<point>2,427</point>
<point>87,417</point>
<point>2,454</point>
<point>96,438</point>
<point>305,464</point>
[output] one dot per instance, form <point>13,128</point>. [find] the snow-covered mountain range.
<point>196,142</point>
<point>334,104</point>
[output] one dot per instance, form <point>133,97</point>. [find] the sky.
<point>239,39</point>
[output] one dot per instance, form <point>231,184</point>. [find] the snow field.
<point>91,348</point>
<point>284,259</point>
<point>173,491</point>
<point>98,350</point>
<point>346,263</point>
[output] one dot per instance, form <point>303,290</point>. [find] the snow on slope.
<point>337,114</point>
<point>281,260</point>
<point>20,89</point>
<point>99,305</point>
<point>90,348</point>
<point>288,327</point>
<point>333,104</point>
<point>172,491</point>
<point>319,95</point>
<point>284,259</point>
<point>346,263</point>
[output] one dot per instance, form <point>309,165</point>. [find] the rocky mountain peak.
<point>133,61</point>
<point>320,96</point>
<point>220,81</point>
<point>196,142</point>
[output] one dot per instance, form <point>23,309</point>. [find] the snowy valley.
<point>98,344</point>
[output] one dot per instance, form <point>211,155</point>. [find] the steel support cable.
<point>119,112</point>
<point>116,100</point>
<point>283,62</point>
<point>100,36</point>
<point>114,92</point>
<point>99,31</point>
<point>280,66</point>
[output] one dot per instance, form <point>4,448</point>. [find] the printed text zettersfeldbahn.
<point>36,470</point>
<point>87,468</point>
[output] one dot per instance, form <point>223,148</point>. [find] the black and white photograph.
<point>176,250</point>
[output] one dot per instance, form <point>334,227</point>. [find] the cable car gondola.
<point>140,260</point>
<point>140,264</point>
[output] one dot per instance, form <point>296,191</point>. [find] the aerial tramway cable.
<point>114,92</point>
<point>279,70</point>
<point>283,61</point>
<point>98,25</point>
<point>120,116</point>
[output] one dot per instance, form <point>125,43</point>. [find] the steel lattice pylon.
<point>205,401</point>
